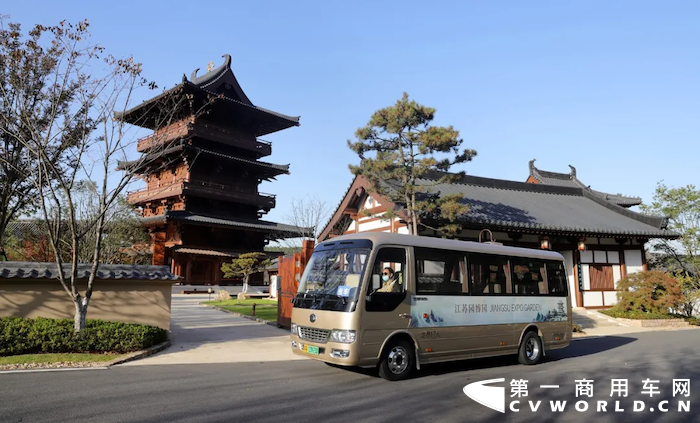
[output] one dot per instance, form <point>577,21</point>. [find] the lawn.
<point>57,358</point>
<point>264,309</point>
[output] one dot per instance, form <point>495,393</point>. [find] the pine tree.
<point>245,265</point>
<point>396,148</point>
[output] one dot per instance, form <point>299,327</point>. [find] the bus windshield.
<point>331,279</point>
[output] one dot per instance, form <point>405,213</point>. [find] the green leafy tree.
<point>244,266</point>
<point>397,148</point>
<point>682,257</point>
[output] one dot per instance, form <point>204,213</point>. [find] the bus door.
<point>386,304</point>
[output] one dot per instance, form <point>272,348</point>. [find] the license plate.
<point>311,349</point>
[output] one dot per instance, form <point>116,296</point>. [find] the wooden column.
<point>579,294</point>
<point>217,273</point>
<point>188,270</point>
<point>158,238</point>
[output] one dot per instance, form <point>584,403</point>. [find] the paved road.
<point>201,334</point>
<point>309,391</point>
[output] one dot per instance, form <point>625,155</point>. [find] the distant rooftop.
<point>570,180</point>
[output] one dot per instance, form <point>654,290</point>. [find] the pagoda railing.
<point>179,185</point>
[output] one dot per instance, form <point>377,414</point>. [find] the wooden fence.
<point>290,270</point>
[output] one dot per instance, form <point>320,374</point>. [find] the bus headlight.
<point>295,329</point>
<point>343,336</point>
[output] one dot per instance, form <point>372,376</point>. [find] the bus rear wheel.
<point>530,349</point>
<point>398,361</point>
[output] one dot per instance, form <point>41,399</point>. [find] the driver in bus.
<point>391,284</point>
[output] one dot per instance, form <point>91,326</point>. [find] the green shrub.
<point>41,335</point>
<point>577,328</point>
<point>694,321</point>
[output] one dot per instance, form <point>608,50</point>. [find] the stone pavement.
<point>598,324</point>
<point>200,334</point>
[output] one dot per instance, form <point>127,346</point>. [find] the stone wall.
<point>134,301</point>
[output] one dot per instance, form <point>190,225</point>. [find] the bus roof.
<point>381,238</point>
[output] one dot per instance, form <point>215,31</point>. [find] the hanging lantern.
<point>544,243</point>
<point>581,244</point>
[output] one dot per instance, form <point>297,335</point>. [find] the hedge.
<point>41,335</point>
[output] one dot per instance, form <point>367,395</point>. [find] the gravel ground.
<point>59,365</point>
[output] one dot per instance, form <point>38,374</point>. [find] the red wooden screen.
<point>290,271</point>
<point>601,277</point>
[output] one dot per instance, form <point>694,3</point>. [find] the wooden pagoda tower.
<point>202,168</point>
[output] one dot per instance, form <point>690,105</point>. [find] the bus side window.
<point>439,272</point>
<point>490,274</point>
<point>529,276</point>
<point>556,277</point>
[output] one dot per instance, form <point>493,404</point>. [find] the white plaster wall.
<point>586,256</point>
<point>351,228</point>
<point>586,279</point>
<point>633,261</point>
<point>610,297</point>
<point>617,275</point>
<point>613,257</point>
<point>403,230</point>
<point>592,299</point>
<point>569,265</point>
<point>599,257</point>
<point>375,224</point>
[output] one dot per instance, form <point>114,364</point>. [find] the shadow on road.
<point>578,348</point>
<point>588,346</point>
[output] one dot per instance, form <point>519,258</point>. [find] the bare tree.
<point>308,215</point>
<point>91,142</point>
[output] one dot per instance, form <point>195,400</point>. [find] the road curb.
<point>245,316</point>
<point>140,354</point>
<point>103,366</point>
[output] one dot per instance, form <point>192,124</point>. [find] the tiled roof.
<point>31,270</point>
<point>280,229</point>
<point>181,145</point>
<point>520,206</point>
<point>205,252</point>
<point>570,180</point>
<point>221,83</point>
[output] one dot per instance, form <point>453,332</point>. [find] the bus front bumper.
<point>330,352</point>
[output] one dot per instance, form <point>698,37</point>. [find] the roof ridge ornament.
<point>573,171</point>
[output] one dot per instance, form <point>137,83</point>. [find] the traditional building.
<point>600,240</point>
<point>202,168</point>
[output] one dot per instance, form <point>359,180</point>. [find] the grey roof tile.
<point>519,205</point>
<point>572,181</point>
<point>185,216</point>
<point>32,270</point>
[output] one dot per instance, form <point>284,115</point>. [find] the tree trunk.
<point>245,284</point>
<point>80,315</point>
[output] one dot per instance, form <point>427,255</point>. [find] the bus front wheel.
<point>530,349</point>
<point>398,361</point>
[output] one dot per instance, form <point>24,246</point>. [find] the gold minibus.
<point>400,301</point>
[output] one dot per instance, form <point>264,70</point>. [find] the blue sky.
<point>612,88</point>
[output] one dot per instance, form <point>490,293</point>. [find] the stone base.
<point>654,323</point>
